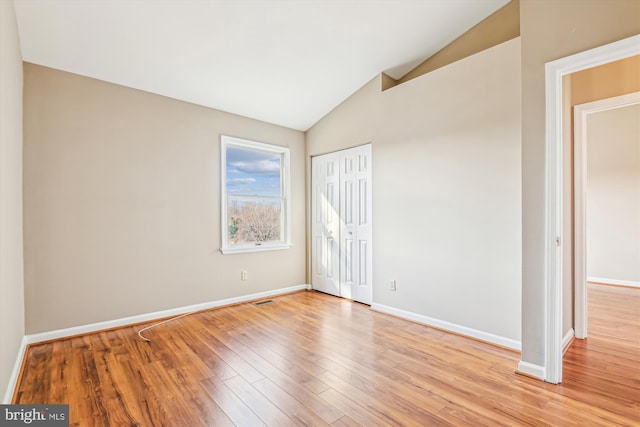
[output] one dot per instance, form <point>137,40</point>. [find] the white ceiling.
<point>287,62</point>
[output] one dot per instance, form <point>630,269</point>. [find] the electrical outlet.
<point>244,275</point>
<point>393,285</point>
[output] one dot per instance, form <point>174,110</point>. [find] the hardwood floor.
<point>607,363</point>
<point>312,359</point>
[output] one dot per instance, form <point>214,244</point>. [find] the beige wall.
<point>552,29</point>
<point>613,194</point>
<point>122,203</point>
<point>11,267</point>
<point>606,81</point>
<point>446,188</point>
<point>500,26</point>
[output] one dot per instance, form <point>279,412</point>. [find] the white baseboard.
<point>448,326</point>
<point>616,282</point>
<point>13,379</point>
<point>93,327</point>
<point>566,340</point>
<point>531,369</point>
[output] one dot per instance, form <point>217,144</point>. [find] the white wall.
<point>11,266</point>
<point>446,188</point>
<point>613,194</point>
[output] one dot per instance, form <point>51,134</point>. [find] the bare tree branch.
<point>254,222</point>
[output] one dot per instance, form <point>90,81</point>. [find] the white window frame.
<point>285,243</point>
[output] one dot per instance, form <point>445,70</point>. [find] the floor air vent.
<point>269,301</point>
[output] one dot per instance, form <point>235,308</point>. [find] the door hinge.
<point>557,241</point>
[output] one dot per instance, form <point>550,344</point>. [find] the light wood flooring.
<point>312,359</point>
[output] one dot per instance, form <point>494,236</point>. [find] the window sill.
<point>257,248</point>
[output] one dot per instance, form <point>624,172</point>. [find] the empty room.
<point>320,212</point>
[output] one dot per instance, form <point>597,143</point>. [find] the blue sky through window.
<point>252,172</point>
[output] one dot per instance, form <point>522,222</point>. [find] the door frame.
<point>580,156</point>
<point>554,71</point>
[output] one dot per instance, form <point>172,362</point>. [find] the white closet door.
<point>326,224</point>
<point>362,289</point>
<point>348,250</point>
<point>341,224</point>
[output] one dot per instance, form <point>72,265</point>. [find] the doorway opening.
<point>555,235</point>
<point>613,169</point>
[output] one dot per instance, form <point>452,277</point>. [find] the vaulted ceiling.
<point>287,62</point>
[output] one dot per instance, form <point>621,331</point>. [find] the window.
<point>255,196</point>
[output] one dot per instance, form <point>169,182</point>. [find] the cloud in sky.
<point>252,172</point>
<point>240,185</point>
<point>241,181</point>
<point>258,167</point>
